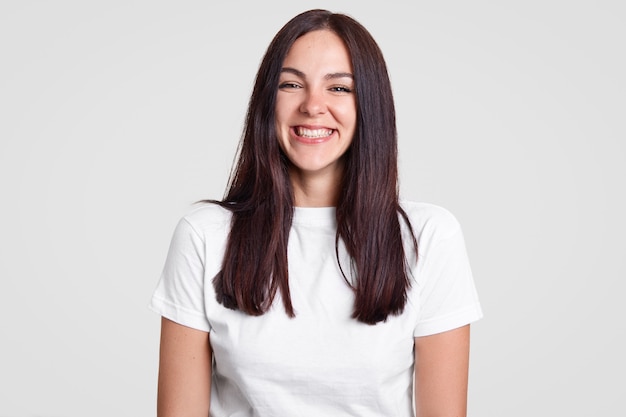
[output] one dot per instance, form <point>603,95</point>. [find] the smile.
<point>313,133</point>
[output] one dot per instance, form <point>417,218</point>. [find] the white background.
<point>115,116</point>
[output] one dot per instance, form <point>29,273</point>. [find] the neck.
<point>320,190</point>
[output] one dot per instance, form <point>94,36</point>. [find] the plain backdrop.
<point>116,116</point>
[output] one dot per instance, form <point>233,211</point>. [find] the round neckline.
<point>319,216</point>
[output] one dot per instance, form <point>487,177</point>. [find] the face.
<point>316,105</point>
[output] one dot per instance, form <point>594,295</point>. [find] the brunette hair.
<point>260,194</point>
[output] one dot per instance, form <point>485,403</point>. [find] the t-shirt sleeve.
<point>447,294</point>
<point>179,295</point>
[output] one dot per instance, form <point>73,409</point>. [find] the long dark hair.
<point>260,194</point>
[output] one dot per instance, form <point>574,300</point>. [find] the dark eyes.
<point>341,89</point>
<point>288,85</point>
<point>335,89</point>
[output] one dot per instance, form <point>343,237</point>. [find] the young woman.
<point>311,290</point>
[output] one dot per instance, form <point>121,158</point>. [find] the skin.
<point>315,93</point>
<point>441,373</point>
<point>184,371</point>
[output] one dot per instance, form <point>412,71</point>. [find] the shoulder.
<point>430,223</point>
<point>207,219</point>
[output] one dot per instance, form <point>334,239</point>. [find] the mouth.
<point>312,135</point>
<point>308,133</point>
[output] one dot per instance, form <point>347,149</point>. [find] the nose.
<point>313,103</point>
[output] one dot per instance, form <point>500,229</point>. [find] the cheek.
<point>347,112</point>
<point>284,107</point>
<point>279,116</point>
<point>348,117</point>
<point>281,124</point>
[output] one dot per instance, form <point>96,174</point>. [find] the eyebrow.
<point>330,76</point>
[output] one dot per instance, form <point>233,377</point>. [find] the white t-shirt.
<point>322,362</point>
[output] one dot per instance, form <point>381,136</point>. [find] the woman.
<point>310,289</point>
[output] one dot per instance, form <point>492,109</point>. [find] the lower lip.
<point>311,141</point>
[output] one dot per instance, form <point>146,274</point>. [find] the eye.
<point>288,85</point>
<point>340,89</point>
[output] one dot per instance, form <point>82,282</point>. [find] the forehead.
<point>319,48</point>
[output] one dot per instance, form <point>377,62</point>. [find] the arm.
<point>441,372</point>
<point>184,371</point>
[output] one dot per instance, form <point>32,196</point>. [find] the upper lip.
<point>318,132</point>
<point>313,127</point>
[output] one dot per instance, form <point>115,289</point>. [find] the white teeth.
<point>316,133</point>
